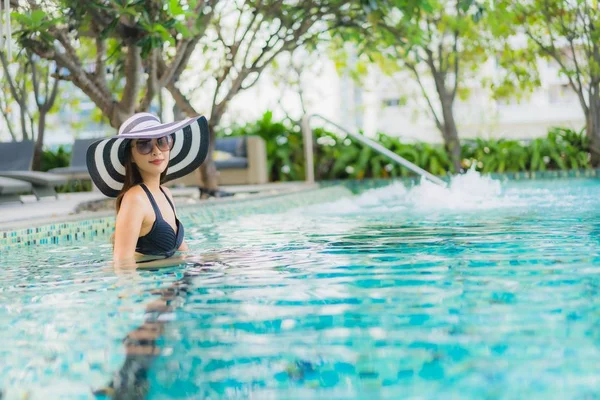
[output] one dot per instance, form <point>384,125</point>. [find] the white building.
<point>394,105</point>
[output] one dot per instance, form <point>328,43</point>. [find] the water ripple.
<point>499,299</point>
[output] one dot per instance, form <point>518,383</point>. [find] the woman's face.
<point>152,155</point>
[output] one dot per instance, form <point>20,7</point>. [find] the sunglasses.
<point>145,146</point>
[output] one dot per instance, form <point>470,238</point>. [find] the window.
<point>392,102</point>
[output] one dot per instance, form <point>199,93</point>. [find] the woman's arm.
<point>127,227</point>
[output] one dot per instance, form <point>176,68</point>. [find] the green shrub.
<point>285,159</point>
<point>75,186</point>
<point>62,158</point>
<point>55,159</point>
<point>338,157</point>
<point>562,149</point>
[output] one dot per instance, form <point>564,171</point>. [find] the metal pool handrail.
<point>307,135</point>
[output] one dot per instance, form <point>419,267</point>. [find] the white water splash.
<point>465,192</point>
<point>382,199</point>
<point>470,191</point>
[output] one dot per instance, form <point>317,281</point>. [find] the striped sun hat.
<point>105,158</point>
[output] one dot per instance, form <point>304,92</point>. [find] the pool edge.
<point>68,229</point>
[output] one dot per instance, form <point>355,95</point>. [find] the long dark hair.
<point>132,175</point>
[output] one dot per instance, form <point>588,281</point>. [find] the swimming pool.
<point>479,291</point>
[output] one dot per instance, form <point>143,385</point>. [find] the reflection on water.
<point>481,290</point>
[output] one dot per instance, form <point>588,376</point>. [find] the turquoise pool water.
<point>480,291</point>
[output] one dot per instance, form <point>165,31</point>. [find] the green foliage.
<point>284,146</point>
<point>151,24</point>
<point>440,40</point>
<point>62,158</point>
<point>561,149</point>
<point>75,186</point>
<point>339,157</point>
<point>37,21</point>
<point>55,159</point>
<point>563,32</point>
<point>343,158</point>
<point>90,42</point>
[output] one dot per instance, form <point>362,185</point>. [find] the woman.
<point>132,167</point>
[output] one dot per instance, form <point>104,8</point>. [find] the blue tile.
<point>432,370</point>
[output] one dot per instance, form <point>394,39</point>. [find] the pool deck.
<point>77,205</point>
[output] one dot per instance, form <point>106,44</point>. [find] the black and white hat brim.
<point>105,158</point>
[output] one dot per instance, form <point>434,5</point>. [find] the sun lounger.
<point>15,162</point>
<point>78,168</point>
<point>11,189</point>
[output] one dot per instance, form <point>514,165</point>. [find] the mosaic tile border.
<point>55,233</point>
<point>69,232</point>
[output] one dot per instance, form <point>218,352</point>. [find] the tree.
<point>567,32</point>
<point>131,38</point>
<point>291,76</point>
<point>15,80</point>
<point>246,37</point>
<point>106,47</point>
<point>31,77</point>
<point>6,111</point>
<point>436,39</point>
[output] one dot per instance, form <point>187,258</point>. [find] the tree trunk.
<point>23,120</point>
<point>450,133</point>
<point>161,105</point>
<point>39,143</point>
<point>593,125</point>
<point>182,107</point>
<point>178,113</point>
<point>208,170</point>
<point>117,116</point>
<point>13,136</point>
<point>6,117</point>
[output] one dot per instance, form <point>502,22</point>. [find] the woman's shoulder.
<point>135,196</point>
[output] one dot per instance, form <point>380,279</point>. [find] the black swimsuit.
<point>161,240</point>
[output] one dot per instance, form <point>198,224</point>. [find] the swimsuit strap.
<point>169,200</point>
<point>152,201</point>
